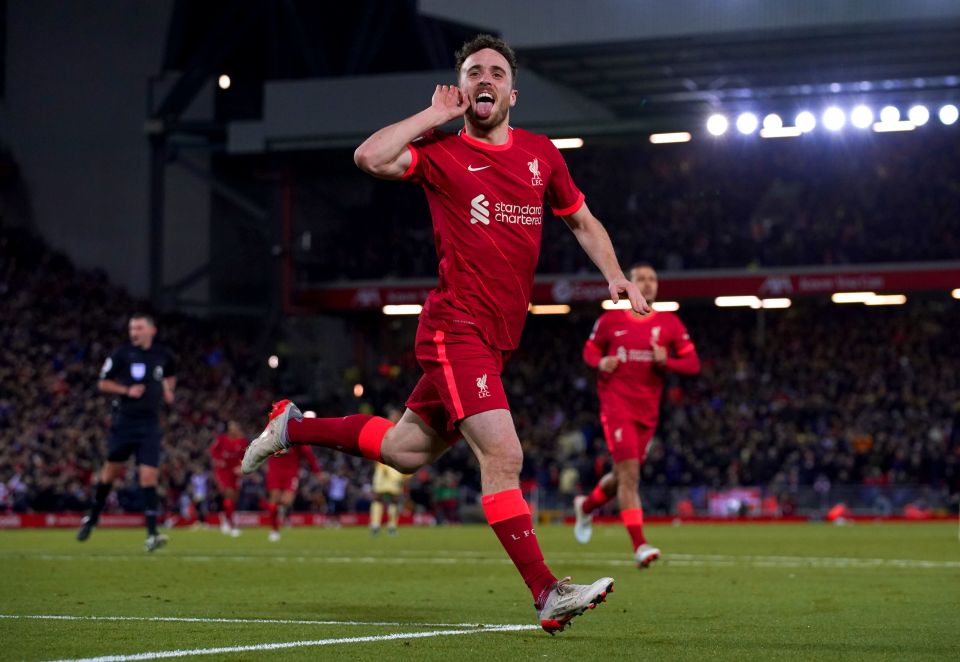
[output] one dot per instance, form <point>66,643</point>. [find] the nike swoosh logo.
<point>619,333</point>
<point>472,169</point>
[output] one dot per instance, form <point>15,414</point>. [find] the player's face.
<point>487,82</point>
<point>645,279</point>
<point>141,332</point>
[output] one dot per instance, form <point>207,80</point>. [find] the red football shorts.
<point>226,479</point>
<point>461,377</point>
<point>283,481</point>
<point>626,439</point>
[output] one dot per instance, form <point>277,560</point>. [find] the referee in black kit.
<point>140,374</point>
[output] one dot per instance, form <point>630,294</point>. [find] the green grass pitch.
<point>721,592</point>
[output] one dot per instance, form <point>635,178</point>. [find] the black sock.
<point>100,495</point>
<point>150,509</point>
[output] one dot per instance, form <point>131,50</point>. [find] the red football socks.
<point>596,499</point>
<point>228,507</point>
<point>633,520</point>
<point>358,435</point>
<point>509,516</point>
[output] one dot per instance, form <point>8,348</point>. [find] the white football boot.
<point>273,439</point>
<point>583,528</point>
<point>566,601</point>
<point>646,555</point>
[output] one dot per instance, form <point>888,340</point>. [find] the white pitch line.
<point>243,621</point>
<point>693,560</point>
<point>157,655</point>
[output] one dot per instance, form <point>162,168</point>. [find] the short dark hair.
<point>642,265</point>
<point>482,41</point>
<point>144,316</point>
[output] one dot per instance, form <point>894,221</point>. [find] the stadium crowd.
<point>733,203</point>
<point>817,395</point>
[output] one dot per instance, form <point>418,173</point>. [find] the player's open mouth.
<point>484,106</point>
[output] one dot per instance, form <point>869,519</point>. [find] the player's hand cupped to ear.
<point>449,100</point>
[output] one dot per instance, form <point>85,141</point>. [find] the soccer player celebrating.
<point>632,353</point>
<point>486,185</point>
<point>226,452</point>
<point>141,374</point>
<point>282,481</point>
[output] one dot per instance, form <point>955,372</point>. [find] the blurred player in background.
<point>283,472</point>
<point>226,452</point>
<point>388,487</point>
<point>199,492</point>
<point>142,375</point>
<point>486,186</point>
<point>632,353</point>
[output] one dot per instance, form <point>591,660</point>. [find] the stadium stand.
<point>819,403</point>
<point>856,199</point>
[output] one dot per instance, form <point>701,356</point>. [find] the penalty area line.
<point>158,655</point>
<point>244,621</point>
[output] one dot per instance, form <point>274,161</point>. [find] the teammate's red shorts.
<point>282,480</point>
<point>226,479</point>
<point>627,439</point>
<point>461,377</point>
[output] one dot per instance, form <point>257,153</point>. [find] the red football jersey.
<point>487,207</point>
<point>633,390</point>
<point>288,464</point>
<point>227,452</point>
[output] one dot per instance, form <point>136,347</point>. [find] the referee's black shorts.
<point>130,436</point>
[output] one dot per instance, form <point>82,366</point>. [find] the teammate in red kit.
<point>632,353</point>
<point>486,186</point>
<point>226,452</point>
<point>283,472</point>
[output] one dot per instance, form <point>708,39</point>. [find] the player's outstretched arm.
<point>385,153</point>
<point>595,241</point>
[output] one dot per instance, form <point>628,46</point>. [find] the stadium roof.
<point>686,75</point>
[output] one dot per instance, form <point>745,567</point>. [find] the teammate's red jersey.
<point>487,207</point>
<point>288,464</point>
<point>227,452</point>
<point>632,391</point>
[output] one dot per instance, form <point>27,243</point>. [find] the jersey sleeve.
<point>597,344</point>
<point>562,194</point>
<point>423,169</point>
<point>216,449</point>
<point>680,343</point>
<point>114,366</point>
<point>307,454</point>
